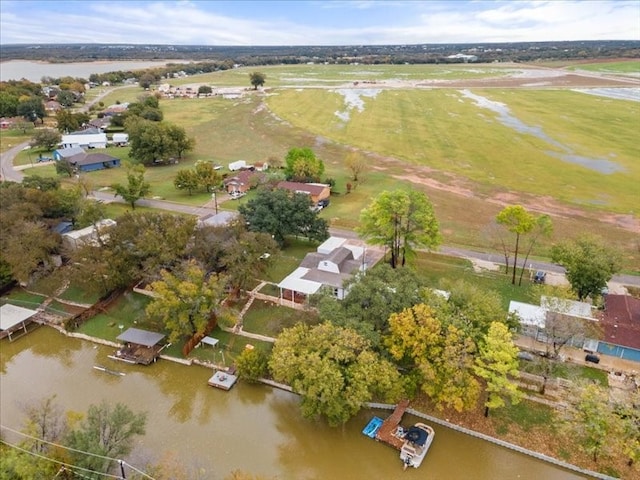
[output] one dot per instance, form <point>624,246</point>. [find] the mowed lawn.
<point>447,131</point>
<point>630,66</point>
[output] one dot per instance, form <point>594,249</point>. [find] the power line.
<point>70,466</point>
<point>73,450</point>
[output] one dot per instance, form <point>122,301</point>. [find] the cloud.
<point>316,23</point>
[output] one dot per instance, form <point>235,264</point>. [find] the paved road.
<point>6,165</point>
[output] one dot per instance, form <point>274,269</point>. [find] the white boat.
<point>417,441</point>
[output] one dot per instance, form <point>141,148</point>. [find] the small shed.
<point>14,319</point>
<point>140,346</point>
<point>121,139</point>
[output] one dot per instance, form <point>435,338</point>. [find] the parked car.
<point>323,203</point>
<point>540,277</point>
<point>45,159</point>
<point>590,357</point>
<point>237,195</point>
<point>526,356</point>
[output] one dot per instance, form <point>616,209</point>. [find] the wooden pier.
<point>387,431</point>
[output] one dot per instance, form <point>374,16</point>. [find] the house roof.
<point>69,151</point>
<point>220,219</point>
<point>241,178</point>
<point>621,320</point>
<point>91,158</point>
<point>299,187</point>
<point>11,315</point>
<point>566,307</point>
<point>140,337</point>
<point>529,314</point>
<point>295,281</point>
<point>87,131</point>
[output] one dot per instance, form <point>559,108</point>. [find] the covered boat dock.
<point>14,321</point>
<point>140,346</point>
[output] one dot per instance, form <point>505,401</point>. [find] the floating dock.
<point>387,431</point>
<point>372,427</point>
<point>223,380</point>
<point>110,372</point>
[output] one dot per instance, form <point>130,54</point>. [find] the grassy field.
<point>11,138</point>
<point>624,67</point>
<point>443,130</point>
<point>268,319</point>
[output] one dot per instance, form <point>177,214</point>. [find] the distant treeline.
<point>366,54</point>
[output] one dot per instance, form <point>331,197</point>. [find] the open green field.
<point>444,130</point>
<point>332,75</point>
<point>11,138</point>
<point>625,67</point>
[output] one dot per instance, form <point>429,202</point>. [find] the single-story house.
<point>90,162</point>
<point>261,166</point>
<point>621,327</point>
<point>116,109</point>
<point>89,138</point>
<point>242,181</point>
<point>99,123</point>
<point>66,153</point>
<point>139,346</point>
<point>335,261</point>
<point>317,191</point>
<point>77,238</point>
<point>558,320</point>
<point>14,319</point>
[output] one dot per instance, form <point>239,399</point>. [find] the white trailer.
<point>237,165</point>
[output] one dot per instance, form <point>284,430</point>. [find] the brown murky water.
<point>253,428</point>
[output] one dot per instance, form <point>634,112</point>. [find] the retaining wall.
<point>496,441</point>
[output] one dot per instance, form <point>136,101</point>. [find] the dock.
<point>387,431</point>
<point>223,380</point>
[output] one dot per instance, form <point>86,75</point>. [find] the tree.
<point>46,138</point>
<point>257,79</point>
<point>542,228</point>
<point>497,364</point>
<point>66,98</point>
<point>64,167</point>
<point>68,121</point>
<point>333,370</point>
<point>589,263</point>
<point>207,176</point>
<point>441,356</point>
<point>252,364</point>
<point>401,221</point>
<point>280,214</point>
<point>136,187</point>
<point>519,221</point>
<point>156,141</point>
<point>357,165</point>
<point>44,184</point>
<point>186,179</point>
<point>146,80</point>
<point>591,420</point>
<point>302,165</point>
<point>372,297</point>
<point>45,421</point>
<point>31,109</point>
<point>108,431</point>
<point>204,90</point>
<point>185,301</point>
<point>27,247</point>
<point>8,105</point>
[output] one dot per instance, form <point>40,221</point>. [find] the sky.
<point>337,22</point>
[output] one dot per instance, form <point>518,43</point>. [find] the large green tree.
<point>589,264</point>
<point>440,355</point>
<point>497,364</point>
<point>68,121</point>
<point>302,165</point>
<point>402,221</point>
<point>333,369</point>
<point>372,297</point>
<point>31,109</point>
<point>46,138</point>
<point>185,300</point>
<point>281,214</point>
<point>257,79</point>
<point>186,179</point>
<point>136,188</point>
<point>153,142</point>
<point>108,431</point>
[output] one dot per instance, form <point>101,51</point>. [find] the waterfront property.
<point>140,346</point>
<point>14,321</point>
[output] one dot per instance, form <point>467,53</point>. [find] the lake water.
<point>34,71</point>
<point>253,428</point>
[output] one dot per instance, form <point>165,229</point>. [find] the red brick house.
<point>317,191</point>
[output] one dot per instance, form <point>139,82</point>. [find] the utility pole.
<point>124,477</point>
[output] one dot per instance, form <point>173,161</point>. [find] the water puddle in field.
<point>353,99</point>
<point>566,155</point>
<point>632,94</point>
